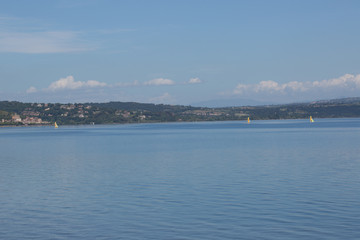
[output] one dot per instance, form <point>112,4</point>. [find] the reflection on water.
<point>220,180</point>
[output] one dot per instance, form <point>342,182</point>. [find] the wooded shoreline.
<point>42,114</point>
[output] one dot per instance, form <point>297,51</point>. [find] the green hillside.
<point>130,112</point>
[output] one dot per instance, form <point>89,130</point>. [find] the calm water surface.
<point>284,179</point>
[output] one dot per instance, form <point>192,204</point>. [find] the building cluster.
<point>26,120</point>
<point>78,110</point>
<point>36,113</point>
<point>205,112</point>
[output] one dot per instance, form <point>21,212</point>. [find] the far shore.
<point>104,124</point>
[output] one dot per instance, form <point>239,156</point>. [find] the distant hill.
<point>17,113</point>
<point>353,100</point>
<point>134,106</point>
<point>238,102</point>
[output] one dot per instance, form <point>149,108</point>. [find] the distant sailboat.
<point>56,126</point>
<point>311,119</point>
<point>248,119</point>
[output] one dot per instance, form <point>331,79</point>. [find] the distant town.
<point>14,113</point>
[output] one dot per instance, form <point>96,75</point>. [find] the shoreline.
<point>103,124</point>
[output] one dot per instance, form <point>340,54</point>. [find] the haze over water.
<point>285,179</point>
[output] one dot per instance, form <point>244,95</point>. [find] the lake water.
<point>285,179</point>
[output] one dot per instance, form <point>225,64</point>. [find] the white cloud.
<point>270,86</point>
<point>160,81</point>
<point>347,84</point>
<point>346,81</point>
<point>31,90</point>
<point>194,80</point>
<point>241,88</point>
<point>127,84</point>
<point>165,98</point>
<point>69,83</point>
<point>42,42</point>
<point>297,86</point>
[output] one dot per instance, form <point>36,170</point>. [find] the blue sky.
<point>179,51</point>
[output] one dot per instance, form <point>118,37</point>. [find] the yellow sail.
<point>311,119</point>
<point>248,119</point>
<point>56,126</point>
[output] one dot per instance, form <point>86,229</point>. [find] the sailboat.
<point>311,119</point>
<point>56,126</point>
<point>248,119</point>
